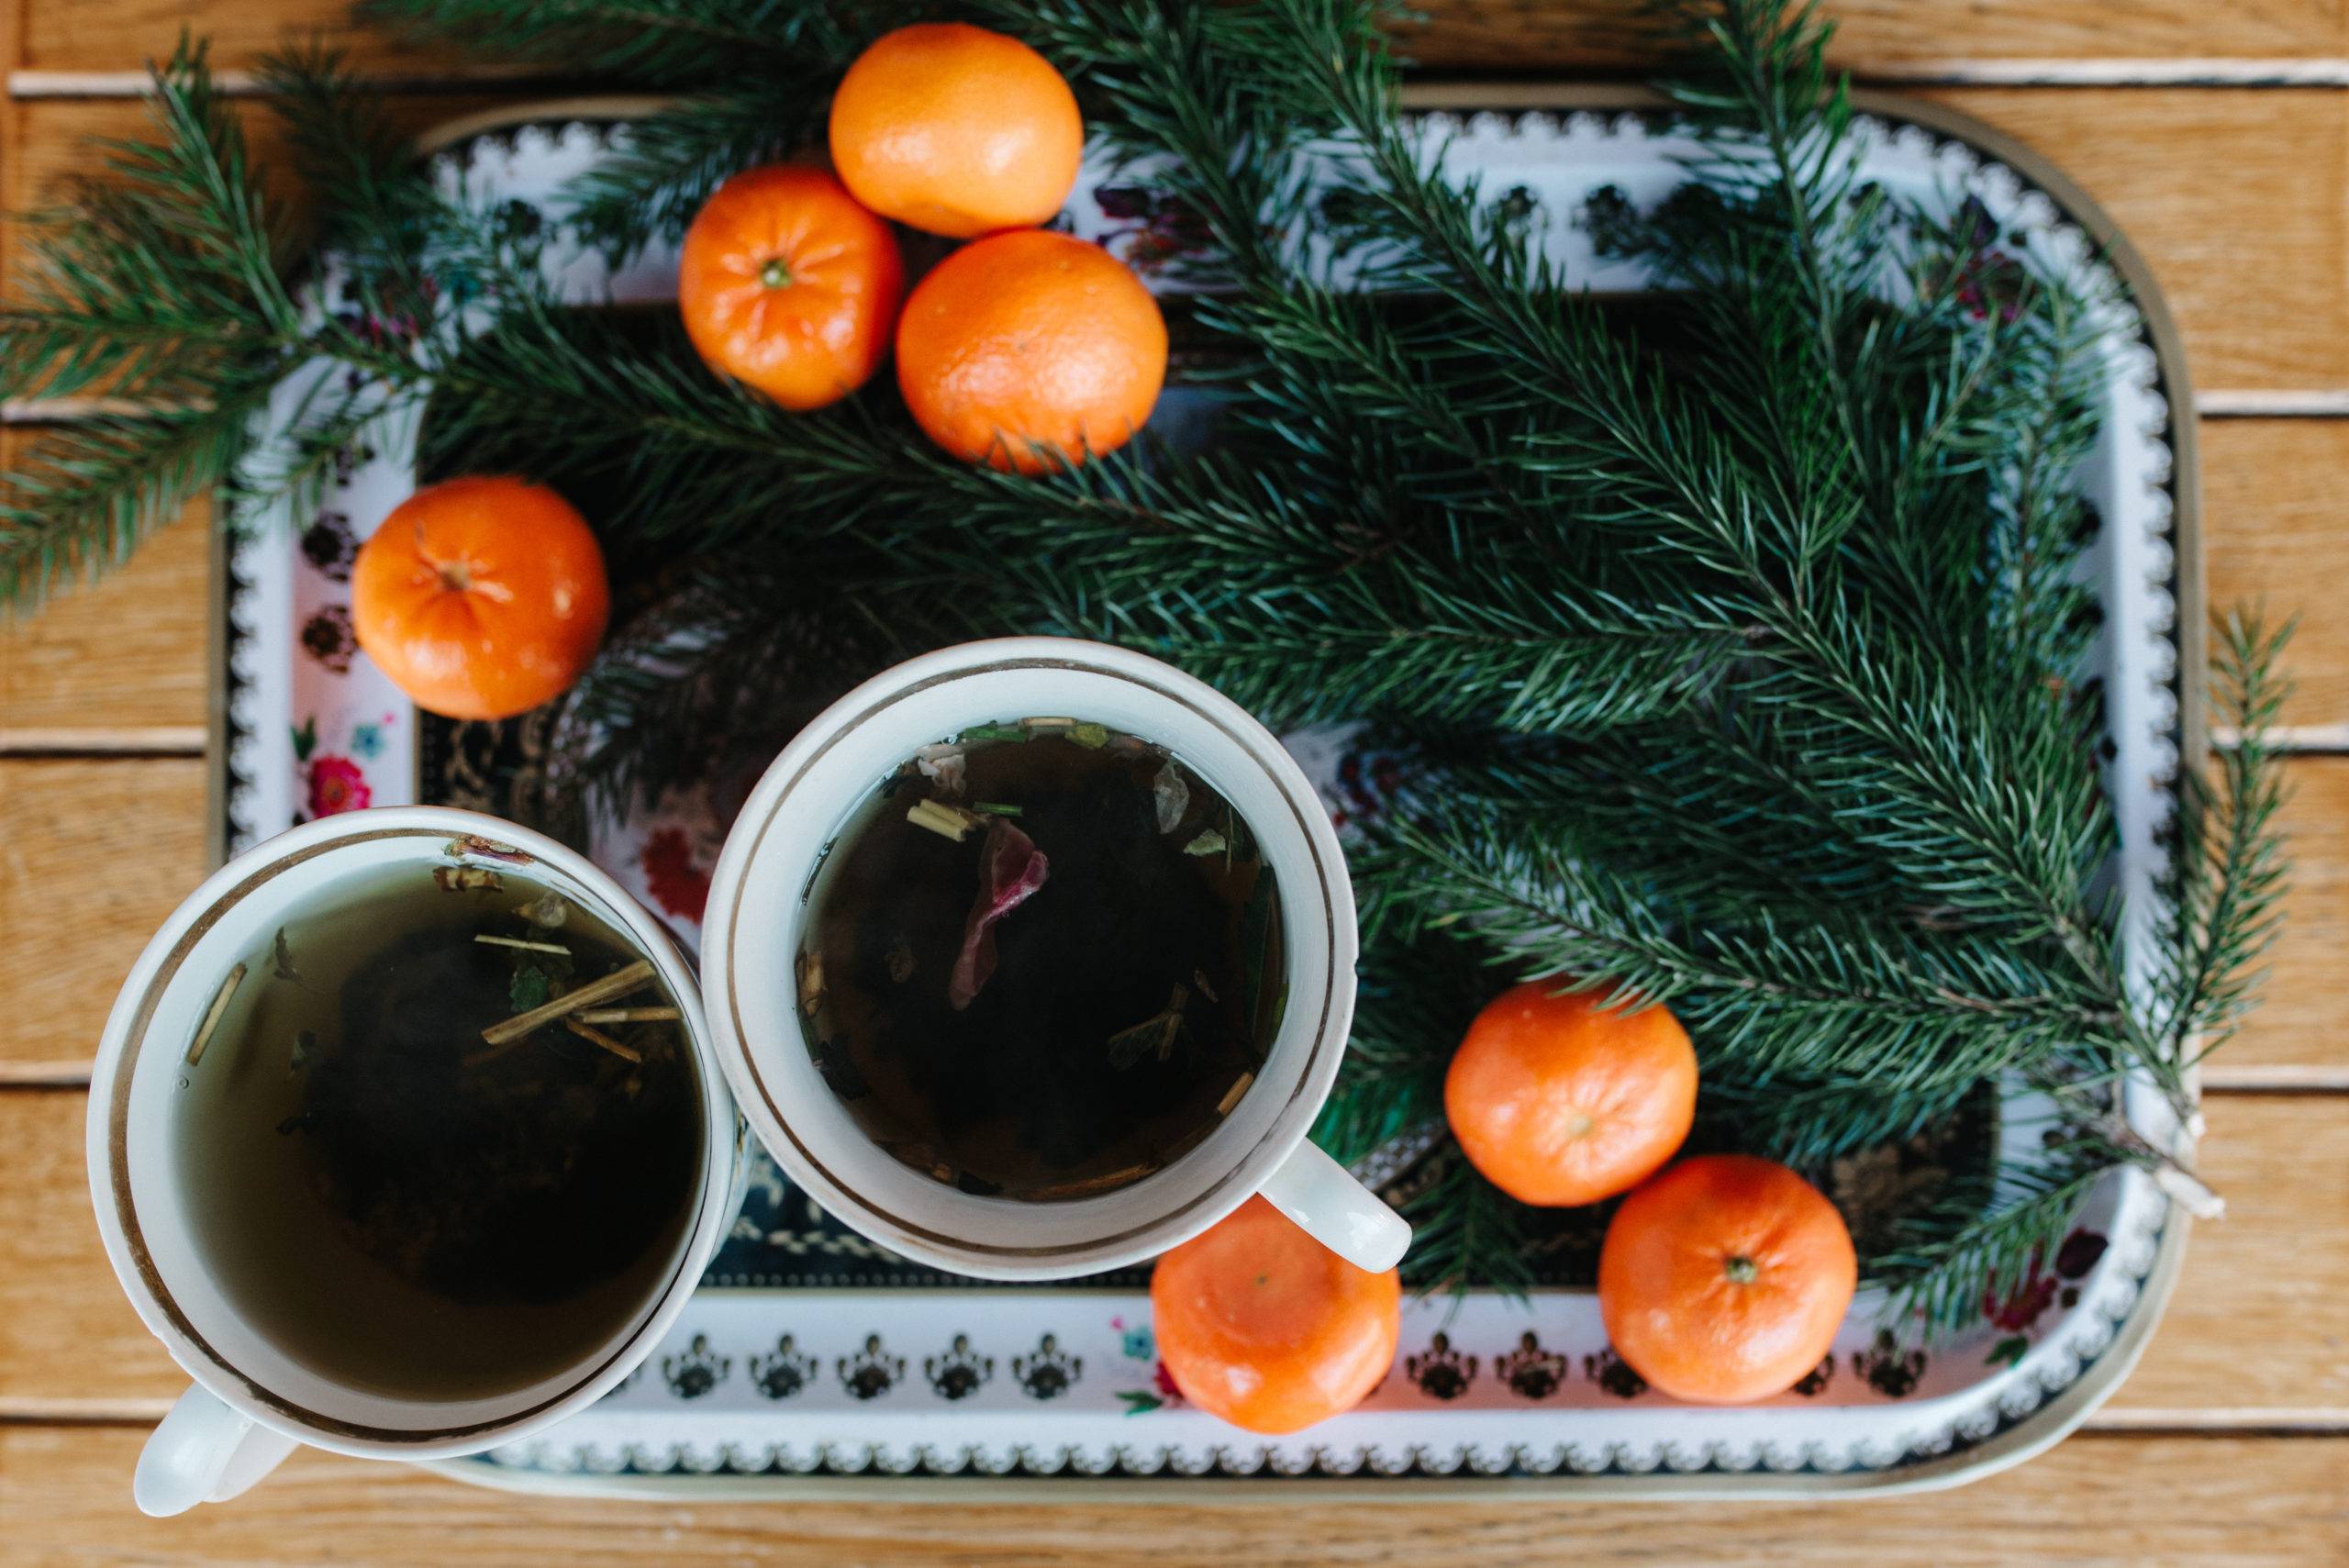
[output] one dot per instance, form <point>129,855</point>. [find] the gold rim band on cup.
<point>962,1244</point>
<point>119,1167</point>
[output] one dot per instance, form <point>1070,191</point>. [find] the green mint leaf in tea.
<point>408,1168</point>
<point>1036,961</point>
<point>530,988</point>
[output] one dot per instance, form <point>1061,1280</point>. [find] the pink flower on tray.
<point>336,784</point>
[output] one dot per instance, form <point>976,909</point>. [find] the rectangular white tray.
<point>924,1390</point>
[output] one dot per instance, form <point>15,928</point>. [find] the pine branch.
<point>719,670</point>
<point>1467,1233</point>
<point>161,282</point>
<point>1416,1000</point>
<point>1887,1014</point>
<point>373,205</point>
<point>91,493</point>
<point>1987,1239</point>
<point>1808,1122</point>
<point>157,274</point>
<point>668,164</point>
<point>672,452</point>
<point>2226,882</point>
<point>1460,635</point>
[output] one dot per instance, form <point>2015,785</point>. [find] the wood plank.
<point>2095,1502</point>
<point>2240,200</point>
<point>52,137</point>
<point>2299,1024</point>
<point>1893,38</point>
<point>117,663</point>
<point>1897,39</point>
<point>12,56</point>
<point>2272,541</point>
<point>2277,1266</point>
<point>79,1346</point>
<point>93,854</point>
<point>124,35</point>
<point>2253,1334</point>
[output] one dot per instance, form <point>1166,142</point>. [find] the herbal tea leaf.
<point>1153,1036</point>
<point>547,912</point>
<point>533,988</point>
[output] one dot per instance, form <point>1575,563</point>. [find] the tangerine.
<point>787,286</point>
<point>1264,1326</point>
<point>957,131</point>
<point>1027,348</point>
<point>1560,1100</point>
<point>1725,1279</point>
<point>480,597</point>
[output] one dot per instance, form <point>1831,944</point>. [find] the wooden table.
<point>2217,134</point>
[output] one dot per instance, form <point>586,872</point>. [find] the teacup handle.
<point>1336,1210</point>
<point>204,1452</point>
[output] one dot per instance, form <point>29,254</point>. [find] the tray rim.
<point>2034,1434</point>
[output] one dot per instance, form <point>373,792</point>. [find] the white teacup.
<point>252,1401</point>
<point>759,900</point>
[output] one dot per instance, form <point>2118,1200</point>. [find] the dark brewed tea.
<point>1044,962</point>
<point>401,1175</point>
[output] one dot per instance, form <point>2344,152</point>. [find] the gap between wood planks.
<point>2106,1423</point>
<point>1954,73</point>
<point>68,745</point>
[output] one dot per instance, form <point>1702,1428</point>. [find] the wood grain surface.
<point>2097,1502</point>
<point>2299,1025</point>
<point>1900,39</point>
<point>94,853</point>
<point>2192,176</point>
<point>106,665</point>
<point>2252,1336</point>
<point>51,137</point>
<point>2229,1445</point>
<point>2275,523</point>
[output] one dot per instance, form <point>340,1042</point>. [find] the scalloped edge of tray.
<point>2031,1435</point>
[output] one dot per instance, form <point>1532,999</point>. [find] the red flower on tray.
<point>676,883</point>
<point>1141,1401</point>
<point>336,785</point>
<point>2023,1308</point>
